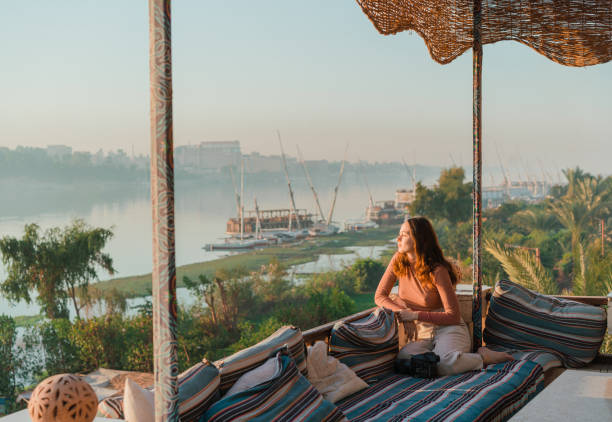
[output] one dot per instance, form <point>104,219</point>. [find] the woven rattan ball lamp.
<point>63,398</point>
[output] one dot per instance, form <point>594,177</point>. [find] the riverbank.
<point>289,255</point>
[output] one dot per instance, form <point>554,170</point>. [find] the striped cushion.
<point>111,407</point>
<point>368,346</point>
<point>288,396</point>
<point>232,367</point>
<point>198,389</point>
<point>492,394</point>
<point>521,319</point>
<point>546,360</point>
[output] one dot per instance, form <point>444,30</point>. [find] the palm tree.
<point>535,220</point>
<point>588,198</point>
<point>523,268</point>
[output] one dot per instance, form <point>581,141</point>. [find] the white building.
<point>208,156</point>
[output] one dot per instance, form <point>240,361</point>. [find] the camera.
<point>423,365</point>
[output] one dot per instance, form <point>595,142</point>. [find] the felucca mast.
<point>257,221</point>
<point>237,195</point>
<point>331,210</point>
<point>314,192</point>
<point>293,209</point>
<point>366,183</point>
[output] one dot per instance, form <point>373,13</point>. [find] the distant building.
<point>403,198</point>
<point>208,156</point>
<point>59,151</point>
<point>255,163</point>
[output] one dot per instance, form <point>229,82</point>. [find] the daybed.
<point>542,332</point>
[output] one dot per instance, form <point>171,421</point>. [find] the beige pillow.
<point>333,379</point>
<point>255,377</point>
<point>138,403</point>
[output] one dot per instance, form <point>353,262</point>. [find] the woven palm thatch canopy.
<point>569,32</point>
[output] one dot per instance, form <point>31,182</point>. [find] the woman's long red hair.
<point>428,255</point>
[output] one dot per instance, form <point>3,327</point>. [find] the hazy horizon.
<point>76,73</point>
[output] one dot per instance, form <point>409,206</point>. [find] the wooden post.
<point>162,203</point>
<point>477,176</point>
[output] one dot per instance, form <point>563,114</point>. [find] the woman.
<point>427,296</point>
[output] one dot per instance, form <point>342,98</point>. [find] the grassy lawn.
<point>288,255</point>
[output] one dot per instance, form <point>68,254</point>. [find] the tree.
<point>10,359</point>
<point>523,268</point>
<point>56,264</point>
<point>449,199</point>
<point>588,199</point>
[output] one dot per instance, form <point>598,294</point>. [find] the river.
<point>201,214</point>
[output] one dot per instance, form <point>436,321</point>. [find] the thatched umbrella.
<point>569,32</point>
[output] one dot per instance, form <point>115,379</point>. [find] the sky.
<point>75,72</point>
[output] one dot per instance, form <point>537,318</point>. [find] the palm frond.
<point>523,268</point>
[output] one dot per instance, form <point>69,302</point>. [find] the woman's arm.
<point>451,314</point>
<point>381,297</point>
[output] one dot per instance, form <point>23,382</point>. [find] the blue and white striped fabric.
<point>521,319</point>
<point>198,389</point>
<point>233,367</point>
<point>491,394</point>
<point>288,396</point>
<point>545,359</point>
<point>368,346</point>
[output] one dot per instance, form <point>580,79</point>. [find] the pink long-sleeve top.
<point>415,297</point>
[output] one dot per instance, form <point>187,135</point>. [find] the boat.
<point>359,225</point>
<point>231,245</point>
<point>270,220</point>
<point>323,229</point>
<point>385,213</point>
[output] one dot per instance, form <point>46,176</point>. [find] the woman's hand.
<point>408,315</point>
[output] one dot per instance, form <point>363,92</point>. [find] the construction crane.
<point>411,174</point>
<point>503,169</point>
<point>293,209</point>
<point>241,198</point>
<point>307,174</point>
<point>333,204</point>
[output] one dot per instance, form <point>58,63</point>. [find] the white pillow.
<point>255,376</point>
<point>138,403</point>
<point>333,379</point>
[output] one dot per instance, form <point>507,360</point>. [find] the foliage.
<point>227,295</point>
<point>57,265</point>
<point>523,268</point>
<point>587,200</point>
<point>10,357</point>
<point>60,353</point>
<point>367,273</point>
<point>450,199</point>
<point>251,333</point>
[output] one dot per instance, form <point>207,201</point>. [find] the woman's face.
<point>405,242</point>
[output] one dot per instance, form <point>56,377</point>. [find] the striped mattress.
<point>491,394</point>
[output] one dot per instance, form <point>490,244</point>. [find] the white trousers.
<point>451,342</point>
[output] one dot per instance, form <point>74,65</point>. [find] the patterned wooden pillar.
<point>477,177</point>
<point>162,202</point>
